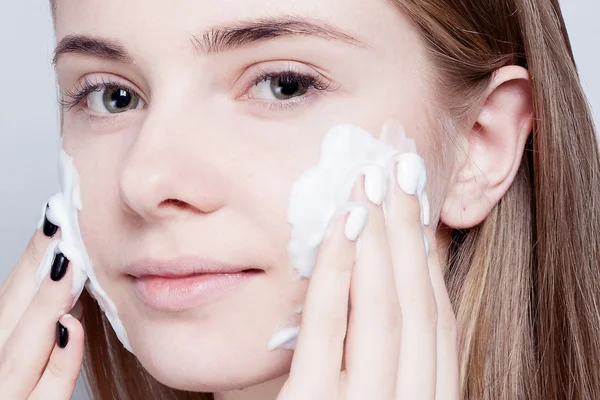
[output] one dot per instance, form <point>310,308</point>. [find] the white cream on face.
<point>63,211</point>
<point>346,152</point>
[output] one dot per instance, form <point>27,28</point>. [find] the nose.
<point>168,173</point>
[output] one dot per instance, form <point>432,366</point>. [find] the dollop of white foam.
<point>346,152</point>
<point>63,211</point>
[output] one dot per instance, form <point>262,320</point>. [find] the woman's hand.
<point>397,340</point>
<point>40,358</point>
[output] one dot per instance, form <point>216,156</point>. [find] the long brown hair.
<point>525,283</point>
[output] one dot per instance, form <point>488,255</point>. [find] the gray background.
<point>29,122</point>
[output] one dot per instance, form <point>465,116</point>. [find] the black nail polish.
<point>59,267</point>
<point>49,228</point>
<point>62,335</point>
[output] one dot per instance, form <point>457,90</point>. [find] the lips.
<point>184,283</point>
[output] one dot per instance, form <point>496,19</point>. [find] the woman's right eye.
<point>113,100</point>
<point>106,97</point>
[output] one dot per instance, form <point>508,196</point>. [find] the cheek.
<point>99,222</point>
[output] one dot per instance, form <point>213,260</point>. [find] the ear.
<point>491,148</point>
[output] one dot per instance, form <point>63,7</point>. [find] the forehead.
<point>373,22</point>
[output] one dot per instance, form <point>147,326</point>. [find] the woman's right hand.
<point>41,347</point>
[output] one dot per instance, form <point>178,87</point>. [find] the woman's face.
<point>220,106</point>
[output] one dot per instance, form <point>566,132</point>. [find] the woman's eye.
<point>113,100</point>
<point>281,87</point>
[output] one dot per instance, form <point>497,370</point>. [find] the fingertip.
<point>49,229</point>
<point>355,222</point>
<point>55,296</point>
<point>403,202</point>
<point>64,365</point>
<point>347,222</point>
<point>71,323</point>
<point>71,334</point>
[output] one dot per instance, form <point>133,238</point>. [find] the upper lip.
<point>182,266</point>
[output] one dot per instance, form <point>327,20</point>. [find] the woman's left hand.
<point>398,339</point>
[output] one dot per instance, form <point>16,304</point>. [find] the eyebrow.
<point>227,38</point>
<point>91,46</point>
<point>215,40</point>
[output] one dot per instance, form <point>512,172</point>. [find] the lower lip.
<point>181,293</point>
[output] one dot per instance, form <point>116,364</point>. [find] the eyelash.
<point>72,98</point>
<point>311,81</point>
<point>317,82</point>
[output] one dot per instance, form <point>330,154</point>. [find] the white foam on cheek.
<point>63,212</point>
<point>346,152</point>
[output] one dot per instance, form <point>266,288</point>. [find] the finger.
<point>29,260</point>
<point>418,342</point>
<point>447,386</point>
<point>26,352</point>
<point>48,230</point>
<point>20,287</point>
<point>59,377</point>
<point>315,370</point>
<point>373,340</point>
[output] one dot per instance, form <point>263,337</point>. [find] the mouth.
<point>181,284</point>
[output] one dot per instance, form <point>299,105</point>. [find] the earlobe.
<point>492,149</point>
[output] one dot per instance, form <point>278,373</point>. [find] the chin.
<point>213,349</point>
<point>219,346</point>
<point>203,361</point>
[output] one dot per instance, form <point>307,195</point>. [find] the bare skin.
<point>32,365</point>
<point>397,342</point>
<point>199,161</point>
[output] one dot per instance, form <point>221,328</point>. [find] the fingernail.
<point>49,228</point>
<point>425,210</point>
<point>411,173</point>
<point>355,223</point>
<point>375,184</point>
<point>62,335</point>
<point>59,267</point>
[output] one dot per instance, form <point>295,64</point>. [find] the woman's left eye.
<point>284,86</point>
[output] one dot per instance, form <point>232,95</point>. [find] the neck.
<point>263,391</point>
